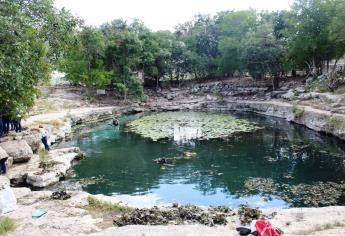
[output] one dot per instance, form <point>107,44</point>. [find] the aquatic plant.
<point>175,215</point>
<point>189,125</point>
<point>247,214</point>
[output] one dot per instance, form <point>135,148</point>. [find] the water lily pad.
<point>189,126</point>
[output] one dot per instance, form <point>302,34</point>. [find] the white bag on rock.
<point>8,201</point>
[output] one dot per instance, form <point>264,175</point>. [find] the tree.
<point>337,29</point>
<point>157,54</point>
<point>201,39</point>
<point>84,63</point>
<point>262,54</point>
<point>26,54</point>
<point>232,26</point>
<point>309,43</point>
<point>123,59</point>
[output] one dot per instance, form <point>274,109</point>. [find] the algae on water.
<point>189,125</point>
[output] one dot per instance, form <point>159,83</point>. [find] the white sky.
<point>160,14</point>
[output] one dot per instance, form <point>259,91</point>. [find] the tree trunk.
<point>275,82</point>
<point>294,74</point>
<point>314,72</point>
<point>157,83</point>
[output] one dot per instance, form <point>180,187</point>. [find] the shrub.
<point>317,85</point>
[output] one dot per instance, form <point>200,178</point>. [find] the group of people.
<point>6,125</point>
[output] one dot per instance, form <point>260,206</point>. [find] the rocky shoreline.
<point>31,170</point>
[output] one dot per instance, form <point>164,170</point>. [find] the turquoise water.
<point>284,154</point>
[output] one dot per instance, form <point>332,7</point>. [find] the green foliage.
<point>232,26</point>
<point>33,36</point>
<point>262,54</point>
<point>312,32</point>
<point>201,39</point>
<point>233,42</point>
<point>317,85</point>
<point>6,225</point>
<point>123,58</point>
<point>84,63</point>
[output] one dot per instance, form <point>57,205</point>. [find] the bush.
<point>317,85</point>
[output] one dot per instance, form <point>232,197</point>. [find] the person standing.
<point>1,126</point>
<point>3,167</point>
<point>44,136</point>
<point>6,124</point>
<point>17,125</point>
<point>3,159</point>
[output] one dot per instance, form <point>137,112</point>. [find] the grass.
<point>102,206</point>
<point>335,123</point>
<point>43,155</point>
<point>318,228</point>
<point>55,123</point>
<point>6,225</point>
<point>297,111</point>
<point>340,90</point>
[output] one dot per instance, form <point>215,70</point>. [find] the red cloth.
<point>264,228</point>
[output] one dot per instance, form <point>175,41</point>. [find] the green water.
<point>282,153</point>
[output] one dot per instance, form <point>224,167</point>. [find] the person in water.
<point>116,122</point>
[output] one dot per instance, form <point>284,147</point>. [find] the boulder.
<point>19,150</point>
<point>57,166</point>
<point>33,140</point>
<point>3,153</point>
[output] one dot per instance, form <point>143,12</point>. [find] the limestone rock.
<point>289,95</point>
<point>4,181</point>
<point>19,150</point>
<point>3,153</point>
<point>60,161</point>
<point>33,140</point>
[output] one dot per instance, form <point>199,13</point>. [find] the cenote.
<point>280,165</point>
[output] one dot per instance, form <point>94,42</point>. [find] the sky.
<point>160,14</point>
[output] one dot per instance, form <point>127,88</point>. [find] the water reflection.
<point>186,135</point>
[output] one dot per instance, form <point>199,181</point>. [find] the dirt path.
<point>65,112</point>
